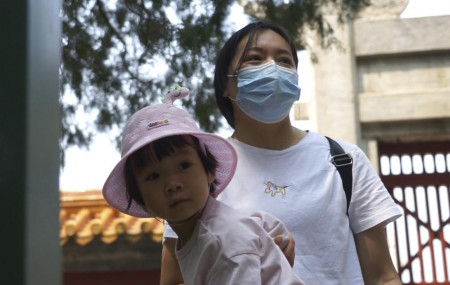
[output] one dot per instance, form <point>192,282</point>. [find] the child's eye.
<point>184,165</point>
<point>152,176</point>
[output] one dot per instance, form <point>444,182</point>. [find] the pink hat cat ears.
<point>152,123</point>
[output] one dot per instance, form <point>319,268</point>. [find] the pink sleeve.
<point>272,225</point>
<point>240,269</point>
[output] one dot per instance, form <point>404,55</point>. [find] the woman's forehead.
<point>263,39</point>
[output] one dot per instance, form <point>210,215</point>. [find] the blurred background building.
<point>387,89</point>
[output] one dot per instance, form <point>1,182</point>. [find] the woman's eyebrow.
<point>283,51</point>
<point>253,48</point>
<point>279,51</point>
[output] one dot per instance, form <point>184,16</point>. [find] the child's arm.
<point>239,269</point>
<point>273,226</point>
<point>277,230</point>
<point>170,270</point>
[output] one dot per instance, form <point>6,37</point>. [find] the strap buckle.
<point>342,159</point>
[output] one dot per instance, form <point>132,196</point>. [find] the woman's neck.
<point>276,136</point>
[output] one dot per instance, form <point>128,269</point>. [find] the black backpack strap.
<point>344,163</point>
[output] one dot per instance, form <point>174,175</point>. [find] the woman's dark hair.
<point>226,55</point>
<point>158,150</point>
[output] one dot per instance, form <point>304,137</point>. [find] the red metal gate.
<point>418,178</point>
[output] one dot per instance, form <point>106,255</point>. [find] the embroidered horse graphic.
<point>274,189</point>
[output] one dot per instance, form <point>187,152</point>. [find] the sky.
<point>88,169</point>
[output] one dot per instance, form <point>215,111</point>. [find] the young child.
<point>172,170</point>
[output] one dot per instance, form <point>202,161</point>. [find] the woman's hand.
<point>289,248</point>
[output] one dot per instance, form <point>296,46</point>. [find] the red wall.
<point>129,277</point>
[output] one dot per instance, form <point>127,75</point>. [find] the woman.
<point>287,172</point>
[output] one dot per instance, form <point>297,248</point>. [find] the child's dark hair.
<point>158,150</point>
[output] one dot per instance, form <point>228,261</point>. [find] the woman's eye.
<point>253,58</point>
<point>184,165</point>
<point>286,61</point>
<point>152,176</point>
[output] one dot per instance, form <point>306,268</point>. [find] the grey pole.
<point>29,131</point>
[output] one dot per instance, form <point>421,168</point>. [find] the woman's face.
<point>267,45</point>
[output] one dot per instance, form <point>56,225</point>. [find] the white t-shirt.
<point>229,248</point>
<point>300,186</point>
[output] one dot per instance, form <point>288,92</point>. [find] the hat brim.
<point>114,189</point>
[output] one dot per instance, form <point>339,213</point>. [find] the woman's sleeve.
<point>371,203</point>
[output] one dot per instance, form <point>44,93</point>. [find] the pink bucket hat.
<point>155,122</point>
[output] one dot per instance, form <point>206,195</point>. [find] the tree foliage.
<point>118,56</point>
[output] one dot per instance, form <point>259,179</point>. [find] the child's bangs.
<point>159,149</point>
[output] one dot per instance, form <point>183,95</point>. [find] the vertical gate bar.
<point>431,238</point>
<point>444,260</point>
<point>419,238</point>
<point>440,230</point>
<point>447,166</point>
<point>441,233</point>
<point>397,249</point>
<point>408,247</point>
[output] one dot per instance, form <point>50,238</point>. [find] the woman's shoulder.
<point>351,148</point>
<point>320,139</point>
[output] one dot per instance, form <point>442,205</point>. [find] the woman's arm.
<point>374,257</point>
<point>170,270</point>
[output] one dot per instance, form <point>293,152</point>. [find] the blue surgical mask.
<point>266,92</point>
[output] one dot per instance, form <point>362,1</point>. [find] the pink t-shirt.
<point>228,247</point>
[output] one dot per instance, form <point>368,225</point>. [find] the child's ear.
<point>211,176</point>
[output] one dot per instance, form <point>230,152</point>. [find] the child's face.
<point>176,187</point>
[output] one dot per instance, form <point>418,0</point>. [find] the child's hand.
<point>287,246</point>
